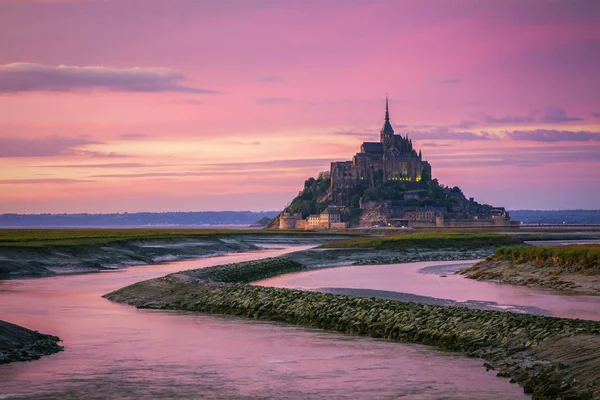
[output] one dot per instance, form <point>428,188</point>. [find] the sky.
<point>185,105</point>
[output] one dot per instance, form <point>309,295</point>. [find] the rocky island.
<point>387,183</point>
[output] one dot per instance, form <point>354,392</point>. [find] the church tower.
<point>387,132</point>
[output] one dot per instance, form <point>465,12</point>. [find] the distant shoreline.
<point>165,226</point>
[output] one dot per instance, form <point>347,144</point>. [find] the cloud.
<point>524,157</point>
<point>194,102</point>
<point>270,79</point>
<point>467,124</point>
<point>240,143</point>
<point>435,144</point>
<point>445,133</point>
<point>40,181</point>
<point>49,146</point>
<point>507,119</point>
<point>292,163</point>
<point>263,101</point>
<point>132,136</point>
<point>28,77</point>
<point>551,135</point>
<point>445,80</point>
<point>107,165</point>
<point>595,114</point>
<point>366,134</point>
<point>183,174</point>
<point>558,114</point>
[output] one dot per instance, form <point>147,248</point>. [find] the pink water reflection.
<point>117,351</point>
<point>406,278</point>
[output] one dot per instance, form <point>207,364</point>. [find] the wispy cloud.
<point>365,135</point>
<point>27,77</point>
<point>445,133</point>
<point>551,135</point>
<point>48,146</point>
<point>297,163</point>
<point>595,114</point>
<point>40,181</point>
<point>445,80</point>
<point>507,119</point>
<point>106,165</point>
<point>558,114</point>
<point>173,174</point>
<point>263,101</point>
<point>132,136</point>
<point>240,143</point>
<point>270,78</point>
<point>466,124</point>
<point>524,157</point>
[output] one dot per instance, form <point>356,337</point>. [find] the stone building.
<point>392,158</point>
<point>330,218</point>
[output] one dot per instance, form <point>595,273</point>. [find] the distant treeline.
<point>135,219</point>
<point>556,216</point>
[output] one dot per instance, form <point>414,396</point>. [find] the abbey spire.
<point>387,111</point>
<point>387,132</point>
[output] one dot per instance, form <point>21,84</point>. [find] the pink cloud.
<point>489,89</point>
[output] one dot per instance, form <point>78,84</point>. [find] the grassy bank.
<point>516,345</point>
<point>245,272</point>
<point>433,240</point>
<point>577,258</point>
<point>76,237</point>
<point>572,268</point>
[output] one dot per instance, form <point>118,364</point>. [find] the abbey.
<point>392,158</point>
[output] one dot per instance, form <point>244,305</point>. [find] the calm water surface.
<point>117,351</point>
<point>436,279</point>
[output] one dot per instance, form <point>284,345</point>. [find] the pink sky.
<point>156,105</point>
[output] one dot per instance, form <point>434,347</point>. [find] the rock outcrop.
<point>22,344</point>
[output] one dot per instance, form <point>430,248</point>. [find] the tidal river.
<point>117,351</point>
<point>434,282</point>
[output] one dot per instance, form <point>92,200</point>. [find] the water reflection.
<point>436,279</point>
<point>116,351</point>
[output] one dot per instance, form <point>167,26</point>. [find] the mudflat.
<point>573,268</point>
<point>22,344</point>
<point>508,342</point>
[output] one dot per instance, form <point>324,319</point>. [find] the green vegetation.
<point>309,199</point>
<point>431,194</point>
<point>246,272</point>
<point>507,341</point>
<point>576,258</point>
<point>77,237</point>
<point>433,240</point>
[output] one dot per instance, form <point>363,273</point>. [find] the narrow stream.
<point>117,351</point>
<point>435,282</point>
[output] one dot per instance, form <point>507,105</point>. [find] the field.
<point>432,240</point>
<point>576,258</point>
<point>74,237</point>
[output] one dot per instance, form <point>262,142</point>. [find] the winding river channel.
<point>434,282</point>
<point>117,351</point>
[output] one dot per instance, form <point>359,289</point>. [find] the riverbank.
<point>49,253</point>
<point>396,249</point>
<point>22,344</point>
<point>430,241</point>
<point>572,268</point>
<point>522,347</point>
